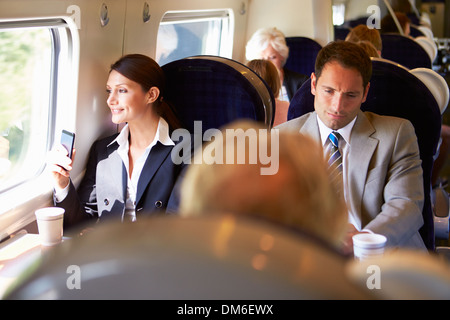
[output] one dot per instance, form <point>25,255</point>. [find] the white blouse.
<point>162,135</point>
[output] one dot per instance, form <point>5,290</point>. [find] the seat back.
<point>416,32</point>
<point>429,46</point>
<point>216,91</point>
<point>302,54</point>
<point>340,33</point>
<point>302,102</point>
<point>406,275</point>
<point>405,51</point>
<point>436,84</point>
<point>426,31</point>
<point>216,257</point>
<point>395,91</point>
<point>356,22</point>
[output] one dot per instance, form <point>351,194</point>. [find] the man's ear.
<point>153,94</point>
<point>366,91</point>
<point>313,83</point>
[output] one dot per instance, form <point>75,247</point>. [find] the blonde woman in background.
<point>270,44</point>
<point>363,33</point>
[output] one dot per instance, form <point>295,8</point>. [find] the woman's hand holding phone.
<point>60,164</point>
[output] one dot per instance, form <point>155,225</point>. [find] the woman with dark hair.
<point>147,73</point>
<point>130,173</point>
<point>388,24</point>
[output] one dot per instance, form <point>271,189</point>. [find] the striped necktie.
<point>335,160</point>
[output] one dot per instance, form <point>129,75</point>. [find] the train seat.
<point>216,91</point>
<point>395,91</point>
<point>302,102</point>
<point>426,31</point>
<point>436,84</point>
<point>439,197</point>
<point>405,51</point>
<point>415,31</point>
<point>302,54</point>
<point>340,33</point>
<point>356,22</point>
<point>405,275</point>
<point>216,257</point>
<point>429,45</point>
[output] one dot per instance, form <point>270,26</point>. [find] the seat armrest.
<point>441,217</point>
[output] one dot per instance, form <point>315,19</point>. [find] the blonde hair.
<point>264,37</point>
<point>369,48</point>
<point>298,195</point>
<point>362,32</point>
<point>268,72</point>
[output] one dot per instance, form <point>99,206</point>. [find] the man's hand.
<point>347,243</point>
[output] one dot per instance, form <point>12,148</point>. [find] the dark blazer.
<point>102,192</point>
<point>293,81</point>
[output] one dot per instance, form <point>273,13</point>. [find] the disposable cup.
<point>368,245</point>
<point>50,225</point>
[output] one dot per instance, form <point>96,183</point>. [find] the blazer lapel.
<point>155,159</point>
<point>111,195</point>
<point>311,127</point>
<point>362,148</point>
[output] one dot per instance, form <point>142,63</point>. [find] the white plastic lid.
<point>369,240</point>
<point>50,213</point>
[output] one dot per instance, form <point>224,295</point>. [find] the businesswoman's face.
<point>126,98</point>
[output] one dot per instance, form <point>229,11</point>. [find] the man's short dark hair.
<point>348,55</point>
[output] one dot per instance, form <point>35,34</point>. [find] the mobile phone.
<point>68,140</point>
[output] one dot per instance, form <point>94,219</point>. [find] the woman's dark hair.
<point>348,55</point>
<point>147,72</point>
<point>388,24</point>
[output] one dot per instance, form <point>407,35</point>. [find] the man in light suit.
<point>381,168</point>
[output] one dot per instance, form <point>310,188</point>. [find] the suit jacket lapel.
<point>311,127</point>
<point>155,159</point>
<point>362,148</point>
<point>113,185</point>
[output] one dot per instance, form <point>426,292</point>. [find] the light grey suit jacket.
<point>384,175</point>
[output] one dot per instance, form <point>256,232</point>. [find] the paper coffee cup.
<point>50,225</point>
<point>368,245</point>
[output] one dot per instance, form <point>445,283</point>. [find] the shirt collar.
<point>162,135</point>
<point>345,132</point>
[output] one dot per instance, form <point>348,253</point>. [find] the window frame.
<point>227,28</point>
<point>19,201</point>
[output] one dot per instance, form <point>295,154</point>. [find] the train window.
<point>25,65</point>
<point>184,34</point>
<point>35,61</point>
<point>338,13</point>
